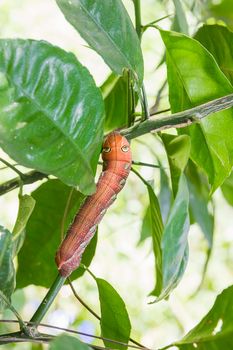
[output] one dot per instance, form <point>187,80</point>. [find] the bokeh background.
<point>119,259</point>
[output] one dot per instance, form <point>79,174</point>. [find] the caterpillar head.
<point>116,148</point>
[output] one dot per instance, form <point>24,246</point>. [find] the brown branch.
<point>27,178</point>
<point>179,120</point>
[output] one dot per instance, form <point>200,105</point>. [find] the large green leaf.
<point>107,28</point>
<point>7,271</point>
<point>178,151</point>
<point>215,331</point>
<point>26,206</point>
<point>115,322</point>
<point>194,78</point>
<point>218,40</point>
<point>66,342</point>
<point>174,241</point>
<point>36,263</point>
<point>115,92</point>
<point>51,112</point>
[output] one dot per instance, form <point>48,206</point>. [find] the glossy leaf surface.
<point>115,322</point>
<point>107,28</point>
<point>194,78</point>
<point>36,264</point>
<point>51,112</point>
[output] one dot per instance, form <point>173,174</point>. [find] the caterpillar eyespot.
<point>83,228</point>
<point>106,149</point>
<point>125,148</point>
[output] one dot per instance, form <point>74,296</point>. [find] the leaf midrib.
<point>107,35</point>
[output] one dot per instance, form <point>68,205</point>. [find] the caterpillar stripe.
<point>116,155</point>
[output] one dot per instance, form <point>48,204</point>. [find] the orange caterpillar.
<point>117,159</point>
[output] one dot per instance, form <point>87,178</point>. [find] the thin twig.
<point>161,111</point>
<point>82,302</point>
<point>76,332</point>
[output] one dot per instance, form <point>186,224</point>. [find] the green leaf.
<point>115,322</point>
<point>26,206</point>
<point>215,331</point>
<point>178,151</point>
<point>146,226</point>
<point>199,202</point>
<point>222,10</point>
<point>36,263</point>
<point>195,78</point>
<point>51,112</point>
<point>165,194</point>
<point>7,271</point>
<point>67,342</point>
<point>115,93</point>
<point>218,41</point>
<point>156,232</point>
<point>107,28</point>
<point>180,18</point>
<point>227,189</point>
<point>174,241</point>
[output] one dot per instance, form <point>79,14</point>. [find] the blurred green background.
<point>119,259</point>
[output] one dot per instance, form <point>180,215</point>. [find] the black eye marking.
<point>125,148</point>
<point>106,149</point>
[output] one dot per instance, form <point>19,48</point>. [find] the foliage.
<point>52,120</point>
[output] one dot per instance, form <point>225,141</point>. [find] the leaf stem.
<point>47,301</point>
<point>138,20</point>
